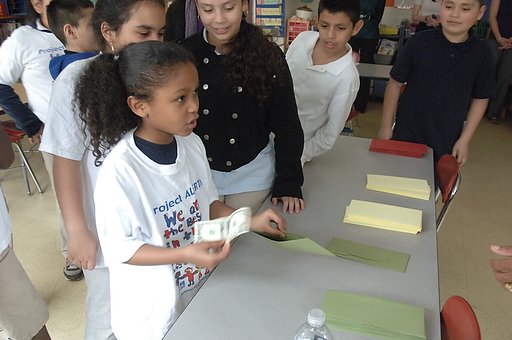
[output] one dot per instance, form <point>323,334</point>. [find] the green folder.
<point>296,242</point>
<point>378,317</point>
<point>374,256</point>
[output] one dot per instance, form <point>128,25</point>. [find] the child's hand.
<point>262,223</point>
<point>460,152</point>
<point>505,43</point>
<point>82,248</point>
<point>356,57</point>
<point>385,133</point>
<point>502,267</point>
<point>290,204</point>
<point>432,21</point>
<point>36,138</point>
<point>207,254</point>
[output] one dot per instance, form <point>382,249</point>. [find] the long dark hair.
<point>254,62</point>
<point>115,13</point>
<point>102,91</point>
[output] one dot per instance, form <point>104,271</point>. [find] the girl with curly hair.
<point>154,184</point>
<point>247,109</point>
<point>115,24</point>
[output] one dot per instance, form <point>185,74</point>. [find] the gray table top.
<point>374,71</point>
<point>262,291</point>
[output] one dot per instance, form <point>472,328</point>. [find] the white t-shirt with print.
<point>141,202</point>
<point>26,55</point>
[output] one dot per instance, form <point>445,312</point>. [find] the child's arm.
<point>200,254</point>
<point>476,111</point>
<point>24,118</point>
<point>504,42</point>
<point>6,153</point>
<point>391,96</point>
<point>324,138</point>
<point>288,143</point>
<point>82,243</point>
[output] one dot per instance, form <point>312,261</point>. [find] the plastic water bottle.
<point>314,328</point>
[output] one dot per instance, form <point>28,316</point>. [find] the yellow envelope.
<point>383,216</point>
<point>409,187</point>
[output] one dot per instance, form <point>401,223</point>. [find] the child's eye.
<point>341,28</point>
<point>207,10</point>
<point>144,34</point>
<point>181,99</point>
<point>227,9</point>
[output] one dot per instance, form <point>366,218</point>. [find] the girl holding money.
<point>153,185</point>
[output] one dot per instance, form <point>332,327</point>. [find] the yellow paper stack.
<point>383,216</point>
<point>410,187</point>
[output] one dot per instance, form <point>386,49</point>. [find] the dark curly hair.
<point>102,90</point>
<point>115,13</point>
<point>255,62</point>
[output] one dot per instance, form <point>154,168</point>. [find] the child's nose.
<point>456,12</point>
<point>219,16</point>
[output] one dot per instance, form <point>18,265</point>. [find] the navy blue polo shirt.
<point>442,79</point>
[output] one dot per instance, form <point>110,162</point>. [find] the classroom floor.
<point>479,216</point>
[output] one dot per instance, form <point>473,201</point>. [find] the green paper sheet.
<point>379,317</point>
<point>296,242</point>
<point>374,256</point>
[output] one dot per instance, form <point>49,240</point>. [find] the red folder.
<point>400,148</point>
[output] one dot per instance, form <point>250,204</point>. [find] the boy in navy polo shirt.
<point>449,76</point>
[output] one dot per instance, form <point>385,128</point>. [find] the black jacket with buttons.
<point>234,129</point>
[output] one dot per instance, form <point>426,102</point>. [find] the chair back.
<point>458,320</point>
<point>447,171</point>
<point>448,180</point>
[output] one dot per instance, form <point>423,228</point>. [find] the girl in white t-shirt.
<point>154,184</point>
<point>115,24</point>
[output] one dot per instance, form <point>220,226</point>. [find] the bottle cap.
<point>316,317</point>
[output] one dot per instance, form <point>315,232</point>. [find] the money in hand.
<point>224,228</point>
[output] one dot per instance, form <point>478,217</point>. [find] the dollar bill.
<point>224,228</point>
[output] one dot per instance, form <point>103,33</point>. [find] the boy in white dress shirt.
<point>325,78</point>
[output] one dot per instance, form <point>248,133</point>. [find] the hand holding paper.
<point>224,228</point>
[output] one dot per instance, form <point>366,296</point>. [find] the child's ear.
<point>482,12</point>
<point>69,32</point>
<point>357,27</point>
<point>137,106</point>
<point>245,6</point>
<point>108,34</point>
<point>37,5</point>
